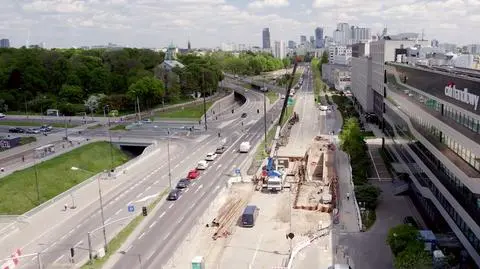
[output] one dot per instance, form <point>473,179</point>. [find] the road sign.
<point>131,208</point>
<point>237,171</point>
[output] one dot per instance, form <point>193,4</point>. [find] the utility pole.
<point>139,112</point>
<point>168,156</point>
<point>36,176</point>
<point>265,112</point>
<point>39,260</point>
<point>66,129</point>
<point>204,99</point>
<point>90,249</point>
<point>102,214</point>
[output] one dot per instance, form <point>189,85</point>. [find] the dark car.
<point>409,220</point>
<point>183,183</point>
<point>16,130</point>
<point>173,195</point>
<point>244,115</point>
<point>220,149</point>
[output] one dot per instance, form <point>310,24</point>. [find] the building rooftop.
<point>464,73</point>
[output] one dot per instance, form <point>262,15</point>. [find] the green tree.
<point>400,236</point>
<point>413,256</point>
<point>71,93</point>
<point>350,139</point>
<point>147,89</point>
<point>367,194</point>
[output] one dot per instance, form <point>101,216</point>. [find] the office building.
<point>336,75</point>
<point>4,43</point>
<point>431,120</point>
<point>266,38</point>
<point>303,39</point>
<point>339,55</point>
<point>473,49</point>
<point>312,40</point>
<point>279,50</point>
<point>361,76</point>
<point>360,34</point>
<point>319,37</point>
<point>291,44</point>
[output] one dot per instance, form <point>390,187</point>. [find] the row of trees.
<point>73,79</point>
<point>408,249</point>
<point>249,63</point>
<point>353,143</point>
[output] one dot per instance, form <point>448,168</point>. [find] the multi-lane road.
<point>147,179</point>
<point>173,220</point>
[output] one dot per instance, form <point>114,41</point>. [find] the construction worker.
<point>65,207</point>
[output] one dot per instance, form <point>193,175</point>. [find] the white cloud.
<point>268,3</point>
<point>61,6</point>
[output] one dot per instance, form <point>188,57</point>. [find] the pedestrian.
<point>23,158</point>
<point>65,207</point>
<point>348,196</point>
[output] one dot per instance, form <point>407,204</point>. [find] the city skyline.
<point>150,23</point>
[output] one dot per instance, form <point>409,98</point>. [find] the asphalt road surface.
<point>173,220</point>
<point>144,182</point>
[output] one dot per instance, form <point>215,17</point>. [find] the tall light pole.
<point>204,99</point>
<point>265,112</point>
<point>101,206</point>
<point>168,156</point>
<point>36,176</point>
<point>107,108</point>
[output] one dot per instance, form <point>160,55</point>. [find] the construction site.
<point>295,197</point>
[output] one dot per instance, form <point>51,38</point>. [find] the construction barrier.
<point>13,262</point>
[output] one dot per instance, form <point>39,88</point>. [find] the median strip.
<point>115,244</point>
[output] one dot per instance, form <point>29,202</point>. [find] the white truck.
<point>245,147</point>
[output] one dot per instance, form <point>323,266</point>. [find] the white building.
<point>332,74</point>
<point>339,55</point>
<point>362,82</point>
<point>279,49</point>
<point>342,79</point>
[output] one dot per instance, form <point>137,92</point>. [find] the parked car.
<point>183,183</point>
<point>193,174</point>
<point>16,130</point>
<point>174,195</point>
<point>32,131</point>
<point>244,115</point>
<point>409,220</point>
<point>46,128</point>
<point>211,156</point>
<point>2,115</point>
<point>220,149</point>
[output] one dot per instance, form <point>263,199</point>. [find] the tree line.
<point>76,80</point>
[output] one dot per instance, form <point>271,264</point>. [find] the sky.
<point>208,23</point>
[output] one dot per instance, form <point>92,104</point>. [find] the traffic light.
<point>72,252</point>
<point>144,211</point>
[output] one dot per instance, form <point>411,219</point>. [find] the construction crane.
<point>290,84</point>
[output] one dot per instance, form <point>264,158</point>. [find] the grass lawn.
<point>272,96</point>
<point>120,127</point>
<point>27,139</point>
<point>288,114</point>
<point>55,176</point>
<point>185,112</point>
<point>261,154</point>
<point>115,244</point>
<point>34,123</point>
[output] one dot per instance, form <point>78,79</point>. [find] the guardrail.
<point>357,209</point>
<point>321,232</point>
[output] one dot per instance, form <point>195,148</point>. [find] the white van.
<point>245,147</point>
<point>202,165</point>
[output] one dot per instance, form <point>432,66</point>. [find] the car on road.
<point>183,183</point>
<point>244,115</point>
<point>46,128</point>
<point>202,165</point>
<point>16,130</point>
<point>409,220</point>
<point>211,156</point>
<point>174,195</point>
<point>220,149</point>
<point>32,131</point>
<point>2,116</point>
<point>193,174</point>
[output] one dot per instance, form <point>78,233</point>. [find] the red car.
<point>193,174</point>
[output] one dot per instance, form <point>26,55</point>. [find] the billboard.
<point>462,92</point>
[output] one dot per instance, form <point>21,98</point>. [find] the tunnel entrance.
<point>132,151</point>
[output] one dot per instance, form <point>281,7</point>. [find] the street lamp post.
<point>36,176</point>
<point>265,112</point>
<point>101,208</point>
<point>105,108</point>
<point>168,156</point>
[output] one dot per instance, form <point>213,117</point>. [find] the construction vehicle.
<point>273,179</point>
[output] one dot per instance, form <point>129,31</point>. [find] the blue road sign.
<point>237,171</point>
<point>131,208</point>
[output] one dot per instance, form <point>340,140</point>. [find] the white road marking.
<point>129,203</point>
<point>128,248</point>
<point>191,206</point>
<point>180,220</point>
<point>166,236</point>
<point>194,183</point>
<point>170,206</point>
<point>186,190</point>
<point>199,187</point>
<point>118,212</point>
<point>148,188</point>
<point>153,224</point>
<point>256,250</point>
<point>140,194</point>
<point>142,235</point>
<point>59,258</point>
<point>161,215</point>
<point>79,243</point>
<point>131,188</point>
<point>176,166</point>
<point>156,182</point>
<point>108,220</point>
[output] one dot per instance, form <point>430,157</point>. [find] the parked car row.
<point>193,174</point>
<point>41,129</point>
